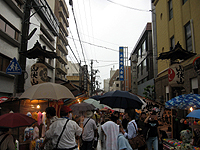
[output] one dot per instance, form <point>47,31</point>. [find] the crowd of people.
<point>112,129</point>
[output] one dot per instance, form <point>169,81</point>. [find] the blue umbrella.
<point>194,114</point>
<point>96,97</point>
<point>184,101</point>
<point>121,99</point>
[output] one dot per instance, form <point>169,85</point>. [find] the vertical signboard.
<point>121,63</point>
<point>85,72</point>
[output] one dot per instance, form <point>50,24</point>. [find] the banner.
<point>121,63</point>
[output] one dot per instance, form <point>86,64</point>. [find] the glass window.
<point>188,37</point>
<point>172,42</point>
<point>10,31</point>
<point>144,64</point>
<point>184,1</point>
<point>4,62</point>
<point>170,9</point>
<point>2,24</point>
<point>144,47</point>
<point>139,53</point>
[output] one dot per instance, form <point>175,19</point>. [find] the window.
<point>141,68</point>
<point>8,28</point>
<point>172,42</point>
<point>170,9</point>
<point>144,64</point>
<point>144,47</point>
<point>4,62</point>
<point>117,85</point>
<point>194,85</point>
<point>188,37</point>
<point>184,1</point>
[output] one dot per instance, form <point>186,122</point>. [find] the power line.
<point>75,44</point>
<point>78,34</point>
<point>106,65</point>
<point>129,7</point>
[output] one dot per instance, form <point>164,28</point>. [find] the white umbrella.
<point>94,102</point>
<point>47,90</point>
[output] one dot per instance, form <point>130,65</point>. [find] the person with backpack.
<point>6,140</point>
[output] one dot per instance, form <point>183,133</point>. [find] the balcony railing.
<point>65,7</point>
<point>61,67</point>
<point>44,11</point>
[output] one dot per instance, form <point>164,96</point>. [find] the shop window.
<point>170,9</point>
<point>4,62</point>
<point>188,37</point>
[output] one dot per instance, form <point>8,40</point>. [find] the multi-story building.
<point>46,34</point>
<point>11,15</point>
<point>142,73</point>
<point>177,21</point>
<point>60,10</point>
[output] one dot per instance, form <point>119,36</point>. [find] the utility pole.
<point>91,82</point>
<point>24,41</point>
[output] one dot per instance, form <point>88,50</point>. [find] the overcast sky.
<point>104,26</point>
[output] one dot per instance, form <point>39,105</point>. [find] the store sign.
<point>85,72</point>
<point>38,73</point>
<point>176,75</point>
<point>121,63</point>
<point>3,99</point>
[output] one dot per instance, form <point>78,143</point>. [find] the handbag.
<point>61,135</point>
<point>137,141</point>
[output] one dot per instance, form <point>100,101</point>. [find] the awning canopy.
<point>177,53</point>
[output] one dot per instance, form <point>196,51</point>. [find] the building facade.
<point>60,10</point>
<point>142,73</point>
<point>177,21</point>
<point>11,15</point>
<point>47,26</point>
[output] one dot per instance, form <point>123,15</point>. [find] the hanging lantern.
<point>198,122</point>
<point>185,122</point>
<point>195,123</point>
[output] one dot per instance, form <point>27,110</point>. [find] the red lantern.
<point>185,122</point>
<point>195,123</point>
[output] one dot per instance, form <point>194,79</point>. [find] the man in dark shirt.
<point>152,132</point>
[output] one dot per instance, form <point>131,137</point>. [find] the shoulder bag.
<point>137,141</point>
<point>61,135</point>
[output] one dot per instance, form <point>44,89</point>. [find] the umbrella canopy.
<point>184,101</point>
<point>47,90</point>
<point>121,99</point>
<point>96,97</point>
<point>81,107</point>
<point>94,102</point>
<point>14,120</point>
<point>194,114</point>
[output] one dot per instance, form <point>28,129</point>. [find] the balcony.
<point>47,42</point>
<point>62,58</point>
<point>63,4</point>
<point>63,39</point>
<point>61,68</point>
<point>62,47</point>
<point>15,6</point>
<point>63,26</point>
<point>63,15</point>
<point>47,15</point>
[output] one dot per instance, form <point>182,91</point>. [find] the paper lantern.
<point>185,122</point>
<point>195,123</point>
<point>198,122</point>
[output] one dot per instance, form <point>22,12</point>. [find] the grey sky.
<point>108,26</point>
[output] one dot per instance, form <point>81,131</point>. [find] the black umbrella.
<point>121,99</point>
<point>96,97</point>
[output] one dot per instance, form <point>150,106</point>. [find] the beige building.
<point>60,10</point>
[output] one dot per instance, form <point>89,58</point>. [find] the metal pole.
<point>22,59</point>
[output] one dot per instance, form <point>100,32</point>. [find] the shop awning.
<point>177,53</point>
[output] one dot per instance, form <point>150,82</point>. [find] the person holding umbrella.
<point>63,131</point>
<point>6,140</point>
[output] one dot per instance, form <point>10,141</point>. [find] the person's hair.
<point>131,113</point>
<point>4,129</point>
<point>51,111</point>
<point>153,113</point>
<point>114,118</point>
<point>143,113</point>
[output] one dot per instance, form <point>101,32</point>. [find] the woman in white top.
<point>132,130</point>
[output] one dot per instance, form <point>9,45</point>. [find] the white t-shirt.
<point>67,139</point>
<point>88,133</point>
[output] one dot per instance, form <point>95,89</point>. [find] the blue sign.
<point>14,68</point>
<point>121,63</point>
